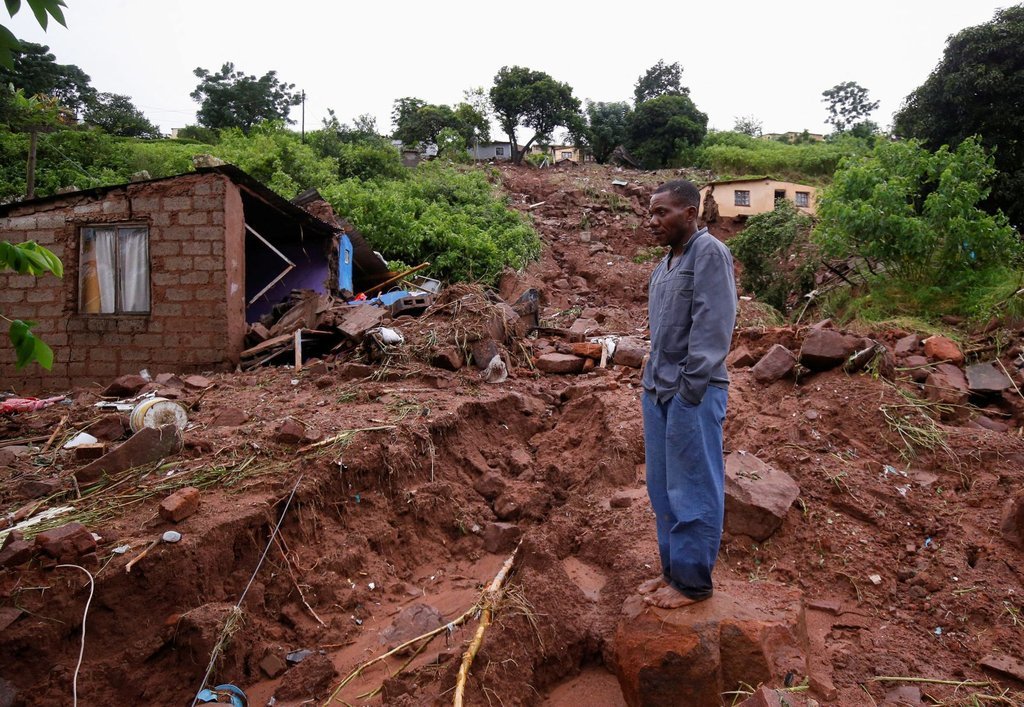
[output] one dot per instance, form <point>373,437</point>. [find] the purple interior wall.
<point>262,265</point>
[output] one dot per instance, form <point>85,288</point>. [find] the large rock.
<point>146,446</point>
<point>629,352</point>
<point>823,349</point>
<point>775,364</point>
<point>940,348</point>
<point>907,345</point>
<point>744,634</point>
<point>125,386</point>
<point>947,385</point>
<point>412,621</point>
<point>987,379</point>
<point>66,543</point>
<point>180,505</point>
<point>560,363</point>
<point>757,496</point>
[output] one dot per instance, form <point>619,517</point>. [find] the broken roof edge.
<point>235,174</point>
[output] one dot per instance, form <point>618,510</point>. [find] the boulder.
<point>109,428</point>
<point>940,348</point>
<point>229,417</point>
<point>412,621</point>
<point>946,385</point>
<point>740,357</point>
<point>15,552</point>
<point>823,349</point>
<point>490,485</point>
<point>501,537</point>
<point>742,635</point>
<point>448,358</point>
<point>125,386</point>
<point>587,349</point>
<point>629,352</point>
<point>987,379</point>
<point>291,431</point>
<point>66,543</point>
<point>757,496</point>
<point>906,345</point>
<point>273,665</point>
<point>585,327</point>
<point>775,364</point>
<point>483,352</point>
<point>918,367</point>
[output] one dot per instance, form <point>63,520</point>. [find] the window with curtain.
<point>113,272</point>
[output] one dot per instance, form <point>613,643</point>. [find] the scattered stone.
<point>146,446</point>
<point>947,385</point>
<point>823,349</point>
<point>89,452</point>
<point>940,348</point>
<point>169,380</point>
<point>291,431</point>
<point>8,615</point>
<point>621,499</point>
<point>559,363</point>
<point>197,382</point>
<point>918,366</point>
<point>229,417</point>
<point>767,697</point>
<point>501,537</point>
<point>587,349</point>
<point>66,543</point>
<point>412,621</point>
<point>907,345</point>
<point>310,679</point>
<point>777,363</point>
<point>585,327</point>
<point>1012,526</point>
<point>124,387</point>
<point>448,358</point>
<point>272,665</point>
<point>38,488</point>
<point>296,657</point>
<point>353,371</point>
<point>740,357</point>
<point>314,368</point>
<point>180,504</point>
<point>989,424</point>
<point>8,694</point>
<point>109,428</point>
<point>629,352</point>
<point>507,506</point>
<point>987,378</point>
<point>490,485</point>
<point>757,496</point>
<point>483,351</point>
<point>1004,664</point>
<point>15,552</point>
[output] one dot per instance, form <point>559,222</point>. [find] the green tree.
<point>36,71</point>
<point>662,129</point>
<point>117,115</point>
<point>607,128</point>
<point>232,99</point>
<point>42,9</point>
<point>975,90</point>
<point>660,80</point>
<point>847,104</point>
<point>533,99</point>
<point>748,125</point>
<point>916,212</point>
<point>417,121</point>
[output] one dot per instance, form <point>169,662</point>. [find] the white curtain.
<point>96,271</point>
<point>133,277</point>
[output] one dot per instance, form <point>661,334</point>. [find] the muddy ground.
<point>395,525</point>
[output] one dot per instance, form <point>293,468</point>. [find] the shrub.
<point>729,153</point>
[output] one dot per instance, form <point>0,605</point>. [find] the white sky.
<point>739,57</point>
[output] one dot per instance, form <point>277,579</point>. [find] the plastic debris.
<point>223,694</point>
<point>28,404</point>
<point>121,549</point>
<point>296,657</point>
<point>171,536</point>
<point>80,439</point>
<point>938,630</point>
<point>386,336</point>
<point>876,579</point>
<point>372,586</point>
<point>496,372</point>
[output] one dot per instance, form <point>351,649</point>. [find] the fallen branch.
<point>342,435</point>
<point>491,597</point>
<point>64,421</point>
<point>934,681</point>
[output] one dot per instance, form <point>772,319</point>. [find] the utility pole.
<point>303,117</point>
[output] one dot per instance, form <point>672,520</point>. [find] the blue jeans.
<point>686,484</point>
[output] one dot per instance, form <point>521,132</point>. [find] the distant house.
<point>792,136</point>
<point>166,274</point>
<point>491,151</point>
<point>558,153</point>
<point>754,195</point>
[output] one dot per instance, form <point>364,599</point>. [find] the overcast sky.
<point>740,57</point>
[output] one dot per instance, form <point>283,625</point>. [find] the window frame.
<point>119,310</point>
<point>499,151</point>
<point>806,198</point>
<point>736,198</point>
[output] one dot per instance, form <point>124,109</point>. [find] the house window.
<point>499,150</point>
<point>803,198</point>
<point>113,272</point>
<point>742,197</point>
<point>566,155</point>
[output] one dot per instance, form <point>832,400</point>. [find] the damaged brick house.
<point>167,273</point>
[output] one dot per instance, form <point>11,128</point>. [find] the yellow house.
<point>755,195</point>
<point>558,153</point>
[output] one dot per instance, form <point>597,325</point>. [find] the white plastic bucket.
<point>157,412</point>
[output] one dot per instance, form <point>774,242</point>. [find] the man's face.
<point>670,222</point>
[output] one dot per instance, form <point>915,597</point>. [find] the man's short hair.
<point>683,191</point>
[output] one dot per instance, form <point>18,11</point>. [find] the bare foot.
<point>651,585</point>
<point>670,598</point>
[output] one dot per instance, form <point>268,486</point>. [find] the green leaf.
<point>28,347</point>
<point>13,6</point>
<point>43,354</point>
<point>19,331</point>
<point>8,42</point>
<point>39,10</point>
<point>54,6</point>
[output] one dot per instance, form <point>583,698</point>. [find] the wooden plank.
<point>266,345</point>
<point>298,350</point>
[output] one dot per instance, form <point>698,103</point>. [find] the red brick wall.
<point>196,312</point>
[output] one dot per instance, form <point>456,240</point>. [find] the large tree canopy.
<point>660,80</point>
<point>232,99</point>
<point>976,89</point>
<point>847,105</point>
<point>662,128</point>
<point>36,71</point>
<point>607,128</point>
<point>116,114</point>
<point>533,99</point>
<point>417,121</point>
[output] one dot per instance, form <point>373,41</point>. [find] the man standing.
<point>692,311</point>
